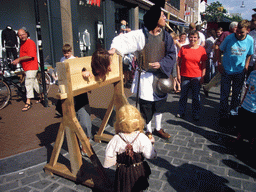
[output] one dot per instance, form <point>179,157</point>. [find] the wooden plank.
<point>68,115</point>
<point>84,84</point>
<point>95,86</point>
<point>61,96</point>
<point>105,120</point>
<point>57,146</point>
<point>74,151</point>
<point>103,137</point>
<point>82,137</point>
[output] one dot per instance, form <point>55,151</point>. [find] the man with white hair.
<point>232,29</point>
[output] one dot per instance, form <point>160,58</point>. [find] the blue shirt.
<point>235,53</point>
<point>250,99</point>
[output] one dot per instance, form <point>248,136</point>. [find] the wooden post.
<point>66,22</point>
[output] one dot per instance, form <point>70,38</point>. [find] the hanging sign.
<point>89,2</point>
<point>187,13</point>
<point>94,2</point>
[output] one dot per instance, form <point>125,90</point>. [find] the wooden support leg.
<point>74,151</point>
<point>82,137</point>
<point>100,136</point>
<point>57,146</point>
<point>90,152</point>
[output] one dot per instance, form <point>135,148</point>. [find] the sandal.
<point>26,107</point>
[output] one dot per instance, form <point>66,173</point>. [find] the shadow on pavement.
<point>49,135</point>
<point>240,168</point>
<point>189,177</point>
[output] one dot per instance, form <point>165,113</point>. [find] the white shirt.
<point>209,44</point>
<point>146,80</point>
<point>130,43</point>
<point>64,58</point>
<point>117,146</point>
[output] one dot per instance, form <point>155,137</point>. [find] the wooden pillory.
<point>71,83</point>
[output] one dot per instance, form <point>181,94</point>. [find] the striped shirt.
<point>250,99</point>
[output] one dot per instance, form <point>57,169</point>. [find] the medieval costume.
<point>151,48</point>
<point>127,150</point>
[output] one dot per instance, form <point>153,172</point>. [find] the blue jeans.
<point>227,80</point>
<point>186,84</point>
<point>210,70</point>
<point>84,118</point>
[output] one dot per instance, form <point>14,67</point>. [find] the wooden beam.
<point>66,22</point>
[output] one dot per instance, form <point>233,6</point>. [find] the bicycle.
<point>15,78</point>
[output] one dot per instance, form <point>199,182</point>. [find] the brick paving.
<point>197,157</point>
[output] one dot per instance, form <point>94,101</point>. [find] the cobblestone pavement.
<point>199,156</point>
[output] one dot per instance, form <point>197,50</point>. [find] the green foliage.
<point>236,18</point>
<point>215,12</point>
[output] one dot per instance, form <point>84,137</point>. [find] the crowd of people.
<point>190,59</point>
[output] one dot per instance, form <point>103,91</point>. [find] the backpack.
<point>129,148</point>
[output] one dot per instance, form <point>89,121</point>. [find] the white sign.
<point>187,13</point>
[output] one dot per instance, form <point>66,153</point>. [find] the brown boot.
<point>162,134</point>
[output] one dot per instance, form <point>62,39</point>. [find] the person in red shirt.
<point>28,60</point>
<point>190,72</point>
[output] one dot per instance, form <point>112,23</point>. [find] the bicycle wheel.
<point>5,94</point>
<point>47,81</point>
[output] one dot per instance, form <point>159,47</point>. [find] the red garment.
<point>191,65</point>
<point>28,48</point>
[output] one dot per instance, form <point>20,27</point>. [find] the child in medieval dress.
<point>127,150</point>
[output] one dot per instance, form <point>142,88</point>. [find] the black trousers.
<point>148,108</point>
<point>246,123</point>
<point>10,52</point>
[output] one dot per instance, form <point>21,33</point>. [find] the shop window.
<point>142,12</point>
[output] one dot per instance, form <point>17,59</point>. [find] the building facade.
<point>91,26</point>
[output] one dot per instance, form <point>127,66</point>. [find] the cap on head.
<point>153,14</point>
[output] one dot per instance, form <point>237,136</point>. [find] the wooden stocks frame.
<point>71,83</point>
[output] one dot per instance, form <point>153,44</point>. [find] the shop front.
<point>92,24</point>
